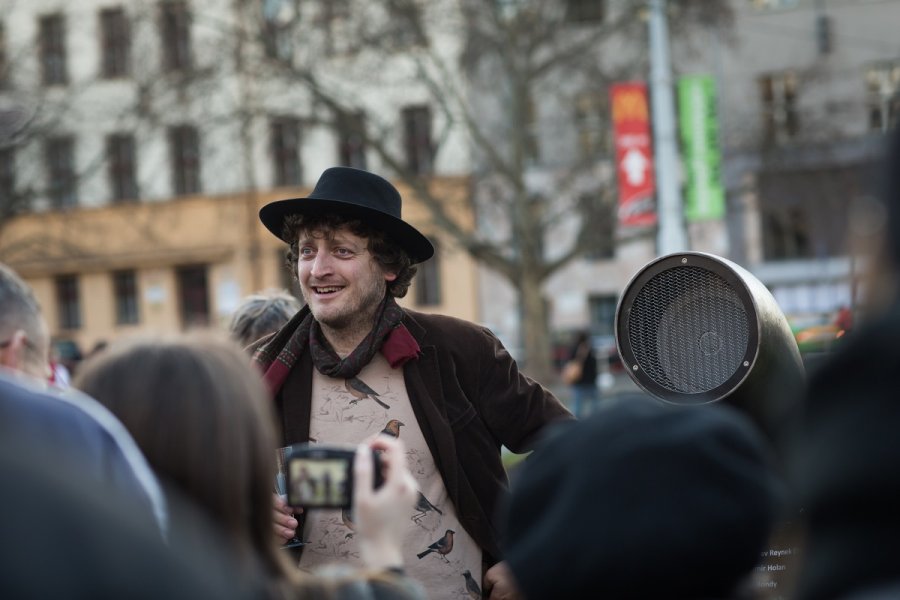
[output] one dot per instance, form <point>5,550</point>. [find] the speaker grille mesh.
<point>688,329</point>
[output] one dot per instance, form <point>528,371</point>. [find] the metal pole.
<point>672,235</point>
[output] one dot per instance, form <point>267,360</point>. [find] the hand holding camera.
<point>382,514</point>
<point>373,480</point>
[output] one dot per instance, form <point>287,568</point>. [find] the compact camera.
<point>321,476</point>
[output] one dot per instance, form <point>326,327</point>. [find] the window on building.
<point>285,139</point>
<point>175,29</point>
<point>781,118</point>
<point>592,125</point>
<point>4,63</point>
<point>584,11</point>
<point>532,150</point>
<point>804,213</point>
<point>53,49</point>
<point>352,139</point>
<point>121,164</point>
<point>508,9</point>
<point>126,296</point>
<point>116,43</point>
<point>824,34</point>
<point>603,215</point>
<point>417,139</point>
<point>68,301</point>
<point>277,42</point>
<point>786,233</point>
<point>883,93</point>
<point>184,149</point>
<point>428,280</point>
<point>603,314</point>
<point>276,30</point>
<point>60,162</point>
<point>287,276</point>
<point>335,19</point>
<point>193,296</point>
<point>404,31</point>
<point>7,177</point>
<point>774,3</point>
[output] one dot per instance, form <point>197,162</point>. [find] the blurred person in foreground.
<point>68,425</point>
<point>262,314</point>
<point>846,459</point>
<point>199,411</point>
<point>643,500</point>
<point>353,361</point>
<point>69,534</point>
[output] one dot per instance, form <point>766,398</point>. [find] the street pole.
<point>672,235</point>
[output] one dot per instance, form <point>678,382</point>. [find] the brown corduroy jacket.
<point>469,399</point>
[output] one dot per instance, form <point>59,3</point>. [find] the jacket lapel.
<point>423,386</point>
<point>294,402</point>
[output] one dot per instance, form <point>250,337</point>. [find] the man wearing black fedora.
<point>353,364</point>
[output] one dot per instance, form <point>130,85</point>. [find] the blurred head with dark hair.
<point>199,412</point>
<point>642,500</point>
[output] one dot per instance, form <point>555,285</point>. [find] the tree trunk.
<point>535,331</point>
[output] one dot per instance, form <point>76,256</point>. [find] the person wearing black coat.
<point>846,459</point>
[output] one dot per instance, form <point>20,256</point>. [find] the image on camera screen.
<point>319,482</point>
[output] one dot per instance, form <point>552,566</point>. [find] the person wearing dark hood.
<point>643,500</point>
<point>846,458</point>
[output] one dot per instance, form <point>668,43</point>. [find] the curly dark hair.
<point>387,253</point>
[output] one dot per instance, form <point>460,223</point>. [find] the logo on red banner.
<point>634,153</point>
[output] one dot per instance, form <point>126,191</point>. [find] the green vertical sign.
<point>704,196</point>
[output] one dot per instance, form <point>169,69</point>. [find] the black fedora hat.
<point>354,193</point>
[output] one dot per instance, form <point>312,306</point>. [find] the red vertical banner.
<point>634,153</point>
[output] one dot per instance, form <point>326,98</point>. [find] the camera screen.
<point>319,482</point>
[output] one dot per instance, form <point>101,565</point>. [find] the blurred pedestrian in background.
<point>60,376</point>
<point>262,314</point>
<point>580,373</point>
<point>199,411</point>
<point>642,500</point>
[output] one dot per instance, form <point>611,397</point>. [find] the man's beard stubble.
<point>357,319</point>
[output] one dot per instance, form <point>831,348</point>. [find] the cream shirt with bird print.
<point>437,551</point>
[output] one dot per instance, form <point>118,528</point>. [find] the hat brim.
<point>402,233</point>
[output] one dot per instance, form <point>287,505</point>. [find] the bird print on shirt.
<point>423,506</point>
<point>360,391</point>
<point>347,520</point>
<point>392,428</point>
<point>442,547</point>
<point>472,586</point>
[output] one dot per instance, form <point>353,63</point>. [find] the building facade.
<point>806,90</point>
<point>140,139</point>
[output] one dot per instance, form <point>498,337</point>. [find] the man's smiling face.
<point>340,280</point>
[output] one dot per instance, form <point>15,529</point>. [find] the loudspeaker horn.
<point>695,328</point>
